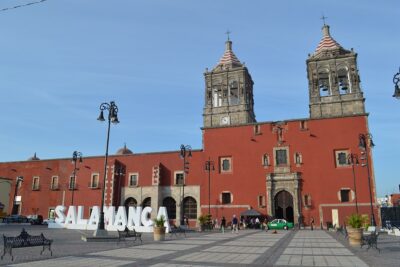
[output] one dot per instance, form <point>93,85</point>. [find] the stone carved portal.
<point>284,206</point>
<point>283,191</point>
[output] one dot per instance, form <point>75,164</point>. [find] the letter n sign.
<point>156,175</point>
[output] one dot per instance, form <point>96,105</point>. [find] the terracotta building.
<point>296,169</point>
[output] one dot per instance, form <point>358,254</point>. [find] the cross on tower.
<point>227,33</point>
<point>323,18</point>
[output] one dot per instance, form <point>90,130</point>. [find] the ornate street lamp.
<point>15,206</point>
<point>76,155</point>
<point>353,160</point>
<point>396,81</point>
<point>363,145</point>
<point>209,166</point>
<point>186,152</point>
<point>112,117</point>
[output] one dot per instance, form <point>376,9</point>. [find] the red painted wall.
<point>320,176</point>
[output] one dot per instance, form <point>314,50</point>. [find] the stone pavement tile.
<point>178,265</point>
<point>320,261</point>
<point>167,246</point>
<point>283,260</point>
<point>332,261</point>
<point>317,249</point>
<point>191,241</point>
<point>133,253</point>
<point>307,261</point>
<point>218,258</point>
<point>295,260</point>
<point>74,262</point>
<point>235,249</point>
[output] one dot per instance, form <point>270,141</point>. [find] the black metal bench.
<point>370,240</point>
<point>25,240</point>
<point>129,233</point>
<point>177,230</point>
<point>343,231</point>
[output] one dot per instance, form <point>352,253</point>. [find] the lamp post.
<point>396,81</point>
<point>76,155</point>
<point>353,160</point>
<point>15,207</point>
<point>186,152</point>
<point>363,145</point>
<point>112,117</point>
<point>209,166</point>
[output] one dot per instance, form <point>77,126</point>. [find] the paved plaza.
<point>247,248</point>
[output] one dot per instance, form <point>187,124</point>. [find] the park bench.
<point>343,231</point>
<point>177,230</point>
<point>370,239</point>
<point>129,233</point>
<point>25,240</point>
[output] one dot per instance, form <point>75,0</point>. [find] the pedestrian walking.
<point>312,223</point>
<point>235,223</point>
<point>223,224</point>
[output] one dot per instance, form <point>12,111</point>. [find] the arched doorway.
<point>146,202</point>
<point>190,208</point>
<point>170,204</point>
<point>284,206</point>
<point>130,202</point>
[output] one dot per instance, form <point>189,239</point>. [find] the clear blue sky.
<point>60,59</point>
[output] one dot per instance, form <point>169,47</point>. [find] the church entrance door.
<point>284,206</point>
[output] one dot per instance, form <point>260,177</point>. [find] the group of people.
<point>235,224</point>
<point>253,223</point>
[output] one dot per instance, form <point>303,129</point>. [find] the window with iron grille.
<point>226,164</point>
<point>54,183</point>
<point>281,157</point>
<point>341,158</point>
<point>35,184</point>
<point>94,183</point>
<point>345,195</point>
<point>226,198</point>
<point>133,179</point>
<point>179,178</point>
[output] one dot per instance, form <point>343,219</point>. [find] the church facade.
<point>297,169</point>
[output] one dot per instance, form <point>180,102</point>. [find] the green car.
<point>279,224</point>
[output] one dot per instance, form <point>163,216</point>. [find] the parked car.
<point>280,224</point>
<point>35,219</point>
<point>16,218</point>
<point>49,220</point>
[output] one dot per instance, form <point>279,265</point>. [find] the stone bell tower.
<point>334,82</point>
<point>228,92</point>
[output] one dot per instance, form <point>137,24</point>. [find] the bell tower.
<point>333,80</point>
<point>228,92</point>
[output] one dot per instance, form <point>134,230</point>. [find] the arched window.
<point>146,202</point>
<point>324,83</point>
<point>190,207</point>
<point>343,81</point>
<point>234,93</point>
<point>170,204</point>
<point>130,202</point>
<point>217,96</point>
